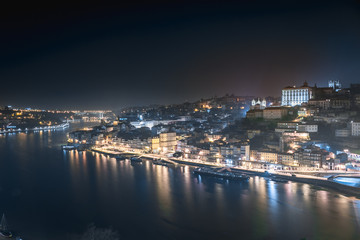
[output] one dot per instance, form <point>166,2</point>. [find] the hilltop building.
<point>292,96</point>
<point>257,103</point>
<point>335,84</point>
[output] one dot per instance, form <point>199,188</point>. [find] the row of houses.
<point>215,150</point>
<point>309,157</point>
<point>296,126</point>
<point>166,143</point>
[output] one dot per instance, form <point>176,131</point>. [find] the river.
<point>47,193</point>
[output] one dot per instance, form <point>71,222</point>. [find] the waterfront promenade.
<point>296,176</point>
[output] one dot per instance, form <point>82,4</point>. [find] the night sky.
<point>109,56</point>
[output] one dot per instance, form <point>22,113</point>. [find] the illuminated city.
<point>180,120</point>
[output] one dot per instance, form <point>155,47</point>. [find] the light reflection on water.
<point>68,190</point>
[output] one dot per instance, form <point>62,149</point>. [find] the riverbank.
<point>54,127</point>
<point>317,181</point>
<point>308,179</point>
<point>114,193</point>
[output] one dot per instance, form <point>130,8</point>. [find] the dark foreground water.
<point>50,194</point>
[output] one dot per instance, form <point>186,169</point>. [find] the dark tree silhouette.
<point>94,233</point>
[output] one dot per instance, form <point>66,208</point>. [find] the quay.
<point>301,178</point>
<point>324,182</point>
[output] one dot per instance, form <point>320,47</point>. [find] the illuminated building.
<point>155,145</point>
<point>258,104</point>
<point>287,125</point>
<point>292,96</point>
<point>355,128</point>
<point>287,159</point>
<point>237,151</point>
<point>311,157</point>
<point>264,156</point>
<point>168,142</point>
<point>307,128</point>
<point>335,84</point>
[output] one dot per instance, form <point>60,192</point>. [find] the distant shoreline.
<point>53,127</point>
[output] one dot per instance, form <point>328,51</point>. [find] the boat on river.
<point>277,179</point>
<point>160,162</point>
<point>68,147</point>
<point>224,173</point>
<point>135,159</point>
<point>120,157</point>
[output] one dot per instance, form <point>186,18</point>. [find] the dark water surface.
<point>50,194</point>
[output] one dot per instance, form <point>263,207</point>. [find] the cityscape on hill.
<point>312,128</point>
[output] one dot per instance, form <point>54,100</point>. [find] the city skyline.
<point>113,56</point>
<point>244,98</point>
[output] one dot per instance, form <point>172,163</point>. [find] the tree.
<point>94,233</point>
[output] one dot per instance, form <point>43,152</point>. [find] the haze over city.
<point>90,56</point>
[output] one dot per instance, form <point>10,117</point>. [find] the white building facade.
<point>355,128</point>
<point>258,103</point>
<point>292,96</point>
<point>308,128</point>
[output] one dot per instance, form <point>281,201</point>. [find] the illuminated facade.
<point>292,96</point>
<point>231,151</point>
<point>264,156</point>
<point>355,128</point>
<point>287,159</point>
<point>155,145</point>
<point>168,142</point>
<point>311,157</point>
<point>335,84</point>
<point>307,128</point>
<point>258,104</point>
